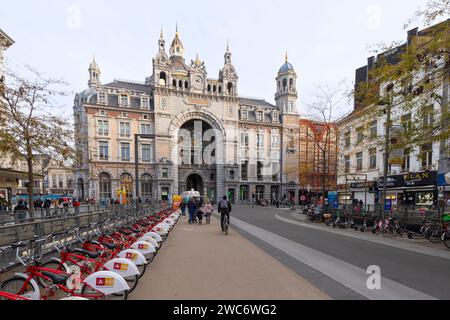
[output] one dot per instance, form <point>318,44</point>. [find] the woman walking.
<point>192,208</point>
<point>208,210</point>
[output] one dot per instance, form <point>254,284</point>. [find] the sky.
<point>326,40</point>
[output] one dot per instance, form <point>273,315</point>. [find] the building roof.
<point>286,68</point>
<point>255,102</point>
<point>122,84</point>
<point>9,40</point>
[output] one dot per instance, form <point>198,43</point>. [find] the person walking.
<point>253,200</point>
<point>183,208</point>
<point>21,211</point>
<point>225,210</point>
<point>192,208</point>
<point>200,213</point>
<point>208,210</point>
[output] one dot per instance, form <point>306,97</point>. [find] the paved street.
<point>201,263</point>
<point>336,260</point>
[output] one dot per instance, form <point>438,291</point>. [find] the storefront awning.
<point>13,174</point>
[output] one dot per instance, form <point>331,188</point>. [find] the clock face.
<point>198,83</point>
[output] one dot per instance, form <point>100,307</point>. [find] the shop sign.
<point>416,179</point>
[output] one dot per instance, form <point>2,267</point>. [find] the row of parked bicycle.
<point>103,260</point>
<point>434,230</point>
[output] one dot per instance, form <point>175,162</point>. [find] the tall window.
<point>70,182</point>
<point>275,118</point>
<point>146,186</point>
<point>347,164</point>
<point>347,140</point>
<point>260,140</point>
<point>291,107</point>
<point>125,151</point>
<point>103,150</point>
<point>275,142</point>
<point>165,173</point>
<point>102,98</point>
<point>244,139</point>
<point>124,100</point>
<point>146,129</point>
<point>105,186</point>
<point>406,160</point>
<point>244,170</point>
<point>407,122</point>
<point>125,131</point>
<point>146,153</point>
<point>359,161</point>
<point>428,116</point>
<point>374,129</point>
<point>259,168</point>
<point>61,181</point>
<point>103,127</point>
<point>372,158</point>
<point>260,116</point>
<point>144,103</point>
<point>54,182</point>
<point>244,115</point>
<point>359,135</point>
<point>426,153</point>
<point>163,104</point>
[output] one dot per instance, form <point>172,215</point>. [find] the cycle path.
<point>198,262</point>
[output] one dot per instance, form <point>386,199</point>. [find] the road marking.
<point>345,273</point>
<point>387,242</point>
<point>188,230</point>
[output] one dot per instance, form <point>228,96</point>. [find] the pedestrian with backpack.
<point>225,210</point>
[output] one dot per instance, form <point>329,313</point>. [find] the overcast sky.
<point>326,39</point>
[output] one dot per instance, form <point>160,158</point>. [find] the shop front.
<point>412,189</point>
<point>367,192</point>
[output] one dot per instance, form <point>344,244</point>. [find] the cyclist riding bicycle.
<point>224,209</point>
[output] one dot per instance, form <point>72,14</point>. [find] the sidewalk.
<point>201,263</point>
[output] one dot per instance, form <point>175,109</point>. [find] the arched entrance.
<point>194,182</point>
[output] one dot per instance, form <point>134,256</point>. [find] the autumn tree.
<point>30,127</point>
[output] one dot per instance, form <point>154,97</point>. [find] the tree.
<point>418,73</point>
<point>30,129</point>
<point>319,135</point>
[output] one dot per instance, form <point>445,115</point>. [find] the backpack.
<point>224,204</point>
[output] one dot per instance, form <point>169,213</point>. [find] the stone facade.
<point>198,133</point>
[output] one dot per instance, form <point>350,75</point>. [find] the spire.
<point>94,73</point>
<point>162,42</point>
<point>228,54</point>
<point>177,48</point>
<point>286,58</point>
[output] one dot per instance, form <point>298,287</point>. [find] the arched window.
<point>214,88</point>
<point>146,187</point>
<point>180,84</point>
<point>291,83</point>
<point>162,79</point>
<point>284,83</point>
<point>220,89</point>
<point>230,88</point>
<point>209,88</point>
<point>126,182</point>
<point>174,83</point>
<point>186,85</point>
<point>104,186</point>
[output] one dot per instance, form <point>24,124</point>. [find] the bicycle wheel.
<point>132,283</point>
<point>142,268</point>
<point>225,222</point>
<point>16,285</point>
<point>434,234</point>
<point>388,231</point>
<point>88,291</point>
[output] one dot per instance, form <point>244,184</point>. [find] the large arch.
<point>220,133</point>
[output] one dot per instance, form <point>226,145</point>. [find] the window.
<point>124,100</point>
<point>374,130</point>
<point>163,104</point>
<point>347,164</point>
<point>407,122</point>
<point>146,152</point>
<point>124,115</point>
<point>69,182</point>
<point>360,135</point>
<point>406,167</point>
<point>275,142</point>
<point>105,186</point>
<point>244,115</point>
<point>144,103</point>
<point>103,127</point>
<point>259,168</point>
<point>428,117</point>
<point>244,170</point>
<point>103,113</point>
<point>146,129</point>
<point>146,183</point>
<point>291,107</point>
<point>60,181</point>
<point>275,118</point>
<point>102,98</point>
<point>347,140</point>
<point>103,150</point>
<point>230,111</point>
<point>165,173</point>
<point>54,183</point>
<point>260,116</point>
<point>372,158</point>
<point>125,151</point>
<point>260,140</point>
<point>145,117</point>
<point>244,139</point>
<point>426,154</point>
<point>359,161</point>
<point>212,176</point>
<point>232,175</point>
<point>125,130</point>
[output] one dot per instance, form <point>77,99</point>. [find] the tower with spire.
<point>94,74</point>
<point>177,48</point>
<point>228,75</point>
<point>286,94</point>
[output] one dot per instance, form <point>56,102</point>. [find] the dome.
<point>88,95</point>
<point>286,68</point>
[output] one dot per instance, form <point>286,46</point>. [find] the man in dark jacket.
<point>225,210</point>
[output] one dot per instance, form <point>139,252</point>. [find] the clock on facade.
<point>198,83</point>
